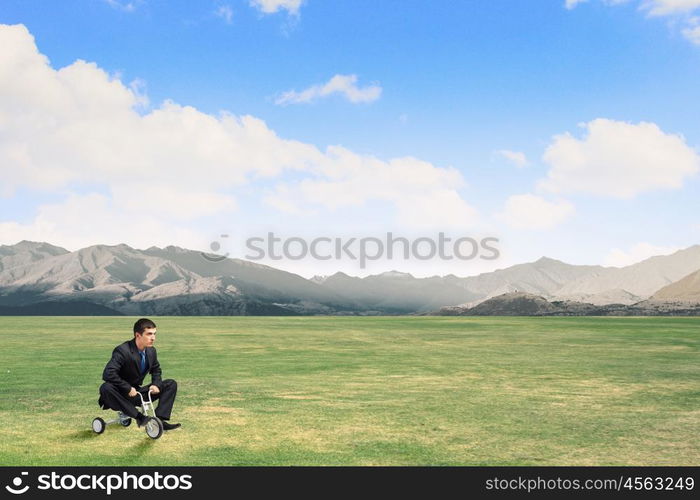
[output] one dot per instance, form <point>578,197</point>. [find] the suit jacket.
<point>124,369</point>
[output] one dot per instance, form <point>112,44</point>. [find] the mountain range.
<point>40,278</point>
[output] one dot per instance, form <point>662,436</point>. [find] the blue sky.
<point>451,117</point>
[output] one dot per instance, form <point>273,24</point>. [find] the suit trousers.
<point>114,399</point>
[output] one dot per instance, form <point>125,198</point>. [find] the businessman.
<point>123,377</point>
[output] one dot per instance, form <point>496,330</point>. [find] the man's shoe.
<point>169,427</point>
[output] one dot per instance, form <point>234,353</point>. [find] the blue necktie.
<point>143,361</point>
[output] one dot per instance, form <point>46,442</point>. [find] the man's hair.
<point>141,325</point>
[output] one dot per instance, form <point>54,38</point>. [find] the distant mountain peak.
<point>31,250</point>
<point>120,246</point>
<point>176,249</point>
<point>394,274</point>
<point>31,245</point>
<point>687,289</point>
<point>548,260</point>
<point>339,274</point>
<point>25,243</point>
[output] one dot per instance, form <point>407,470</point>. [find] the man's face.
<point>147,338</point>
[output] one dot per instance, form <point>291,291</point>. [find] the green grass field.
<point>364,391</point>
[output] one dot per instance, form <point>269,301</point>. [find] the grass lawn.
<point>364,391</point>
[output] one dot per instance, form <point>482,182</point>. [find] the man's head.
<point>144,333</point>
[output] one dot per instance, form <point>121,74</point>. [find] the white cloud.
<point>669,7</point>
<point>272,6</point>
<point>79,126</point>
<point>345,85</point>
<point>121,5</point>
<point>167,201</point>
<point>692,30</point>
<point>85,220</point>
<point>527,211</point>
<point>654,7</point>
<point>570,4</point>
<point>442,208</point>
<point>637,253</point>
<point>225,12</point>
<point>515,157</point>
<point>138,88</point>
<point>658,8</point>
<point>424,196</point>
<point>619,160</point>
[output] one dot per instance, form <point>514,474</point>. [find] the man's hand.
<point>154,389</point>
<point>132,393</point>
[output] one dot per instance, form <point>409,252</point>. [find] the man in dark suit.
<point>124,374</point>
